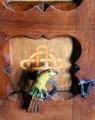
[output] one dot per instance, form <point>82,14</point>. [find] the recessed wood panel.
<point>28,54</point>
<point>54,54</point>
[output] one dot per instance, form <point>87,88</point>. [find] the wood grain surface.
<point>40,0</point>
<point>4,62</point>
<point>78,23</point>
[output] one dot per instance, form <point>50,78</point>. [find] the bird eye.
<point>49,71</point>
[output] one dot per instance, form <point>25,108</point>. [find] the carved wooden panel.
<point>80,23</point>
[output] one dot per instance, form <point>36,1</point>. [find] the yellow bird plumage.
<point>38,87</point>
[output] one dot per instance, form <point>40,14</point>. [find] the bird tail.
<point>34,105</point>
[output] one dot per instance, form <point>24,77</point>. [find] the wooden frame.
<point>79,23</point>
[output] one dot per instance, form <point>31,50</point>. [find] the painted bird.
<point>39,88</point>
